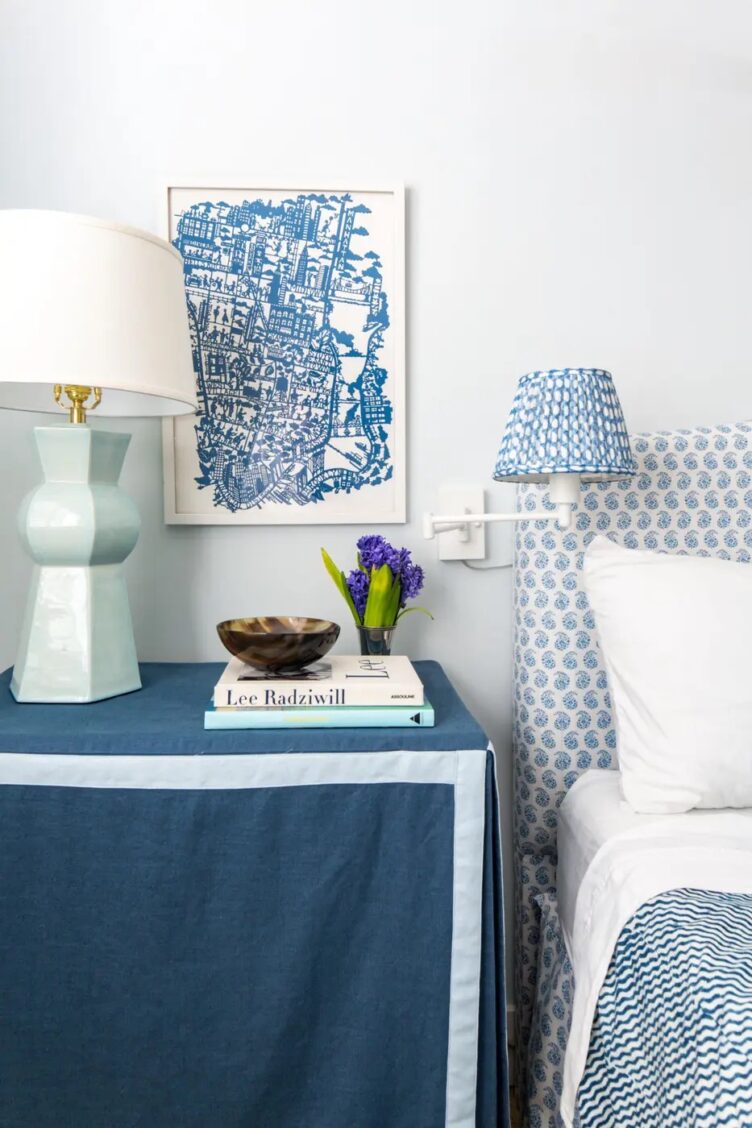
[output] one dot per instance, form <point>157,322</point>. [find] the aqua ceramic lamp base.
<point>78,526</point>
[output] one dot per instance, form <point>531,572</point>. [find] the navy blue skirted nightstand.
<point>247,930</point>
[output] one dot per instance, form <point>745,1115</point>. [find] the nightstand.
<point>267,928</point>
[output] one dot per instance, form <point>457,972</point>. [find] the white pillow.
<point>676,637</point>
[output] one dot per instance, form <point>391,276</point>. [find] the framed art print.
<point>295,302</point>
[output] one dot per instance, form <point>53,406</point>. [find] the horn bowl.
<point>279,644</point>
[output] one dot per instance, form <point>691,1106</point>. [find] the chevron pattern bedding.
<point>672,1041</point>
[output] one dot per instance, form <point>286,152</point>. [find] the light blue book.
<point>342,716</point>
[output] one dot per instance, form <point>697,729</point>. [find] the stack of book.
<point>338,692</point>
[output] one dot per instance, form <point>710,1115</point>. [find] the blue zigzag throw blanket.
<point>671,1046</point>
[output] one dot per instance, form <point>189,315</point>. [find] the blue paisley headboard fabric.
<point>692,494</point>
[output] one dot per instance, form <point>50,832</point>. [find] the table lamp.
<point>566,425</point>
<point>92,316</point>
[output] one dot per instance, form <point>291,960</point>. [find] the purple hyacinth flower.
<point>375,551</point>
<point>358,583</point>
<point>411,581</point>
<point>369,547</point>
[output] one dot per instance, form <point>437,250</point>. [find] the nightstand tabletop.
<point>166,718</point>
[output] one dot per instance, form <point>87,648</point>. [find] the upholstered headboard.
<point>692,494</point>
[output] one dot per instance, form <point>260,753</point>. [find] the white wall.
<point>579,180</point>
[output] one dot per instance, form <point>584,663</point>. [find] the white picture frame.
<point>296,310</point>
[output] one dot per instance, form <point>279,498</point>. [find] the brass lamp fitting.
<point>78,394</point>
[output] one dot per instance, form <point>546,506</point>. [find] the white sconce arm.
<point>563,491</point>
<point>442,523</point>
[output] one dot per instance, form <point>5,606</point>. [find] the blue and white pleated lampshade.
<point>565,421</point>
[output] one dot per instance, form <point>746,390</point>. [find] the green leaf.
<point>394,602</point>
<point>341,582</point>
<point>407,610</point>
<point>379,598</point>
<point>332,568</point>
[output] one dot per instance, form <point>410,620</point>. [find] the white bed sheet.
<point>592,812</point>
<point>611,861</point>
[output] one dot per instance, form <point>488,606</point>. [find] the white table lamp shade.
<point>85,301</point>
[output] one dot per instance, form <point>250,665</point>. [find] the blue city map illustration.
<point>287,315</point>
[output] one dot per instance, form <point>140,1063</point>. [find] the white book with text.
<point>337,680</point>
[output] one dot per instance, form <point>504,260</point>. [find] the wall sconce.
<point>566,426</point>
